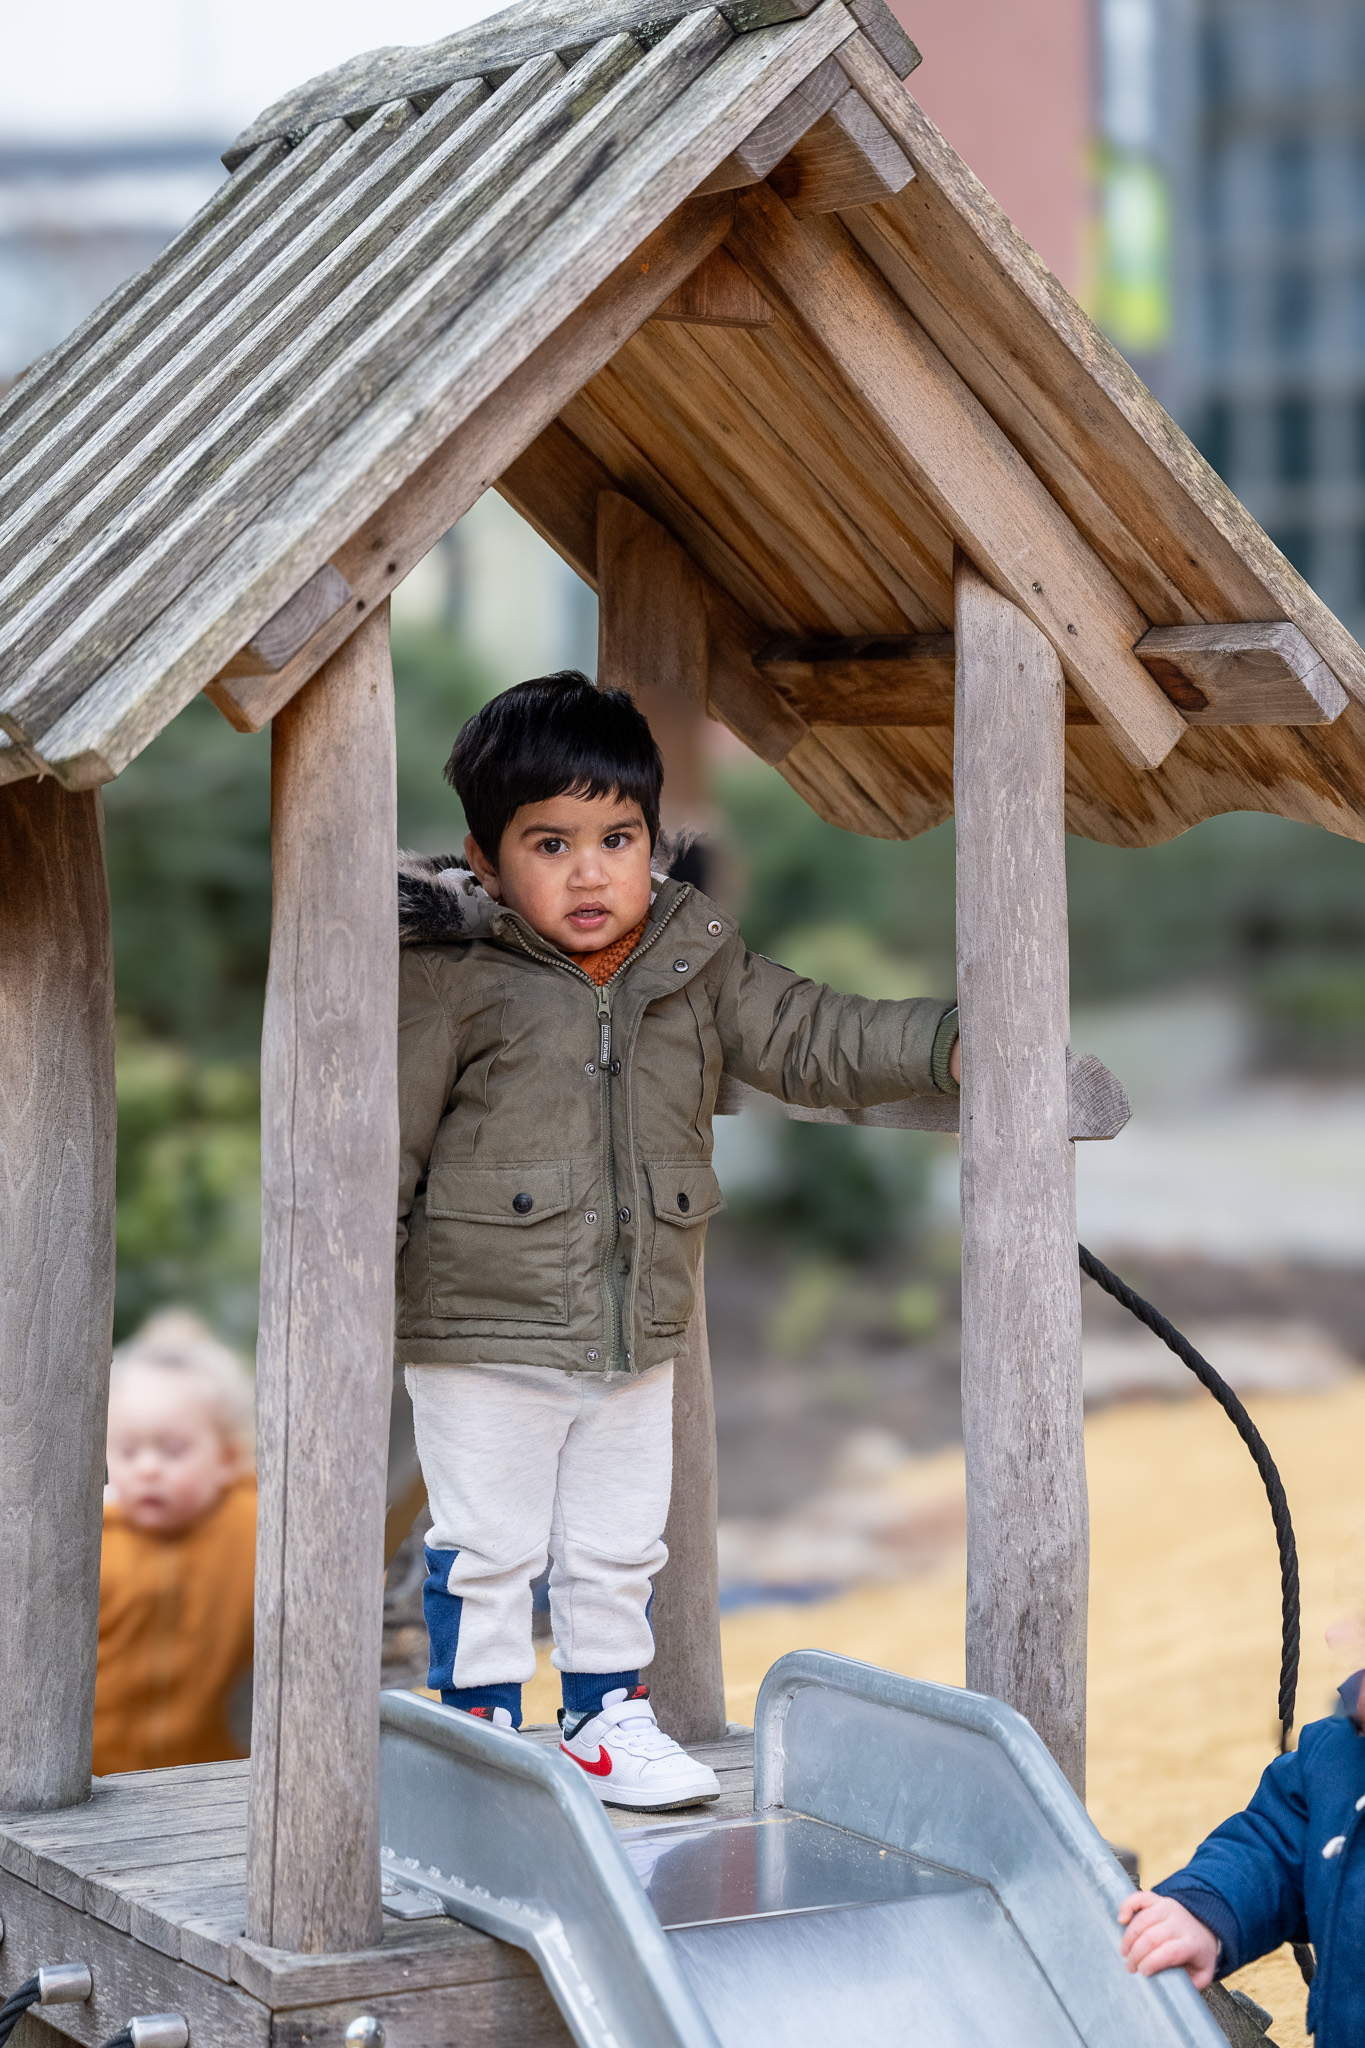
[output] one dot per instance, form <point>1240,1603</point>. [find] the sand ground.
<point>1184,1618</point>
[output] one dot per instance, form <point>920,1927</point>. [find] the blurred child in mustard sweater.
<point>177,1569</point>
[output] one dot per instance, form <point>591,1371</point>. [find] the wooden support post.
<point>1027,1524</point>
<point>652,642</point>
<point>685,1677</point>
<point>329,1179</point>
<point>56,1282</point>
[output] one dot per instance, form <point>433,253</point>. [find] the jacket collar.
<point>1349,1695</point>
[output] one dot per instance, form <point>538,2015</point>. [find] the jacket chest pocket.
<point>682,1196</point>
<point>499,1242</point>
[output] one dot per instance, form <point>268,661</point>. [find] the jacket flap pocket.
<point>683,1193</point>
<point>520,1196</point>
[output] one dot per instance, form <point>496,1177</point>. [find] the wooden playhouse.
<point>715,307</point>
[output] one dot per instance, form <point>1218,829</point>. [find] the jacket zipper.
<point>617,1359</point>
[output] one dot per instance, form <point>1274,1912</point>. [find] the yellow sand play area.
<point>1184,1617</point>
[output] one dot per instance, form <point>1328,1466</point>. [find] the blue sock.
<point>583,1690</point>
<point>487,1696</point>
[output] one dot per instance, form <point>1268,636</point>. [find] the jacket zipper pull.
<point>604,1019</point>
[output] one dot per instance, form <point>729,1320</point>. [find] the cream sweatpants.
<point>523,1463</point>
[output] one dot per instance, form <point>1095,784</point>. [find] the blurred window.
<point>1291,183</point>
<point>1360,435</point>
<point>1296,544</point>
<point>1218,310</point>
<point>1360,565</point>
<point>1293,311</point>
<point>1216,442</point>
<point>1293,440</point>
<point>1216,63</point>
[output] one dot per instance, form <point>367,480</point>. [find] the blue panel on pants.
<point>442,1611</point>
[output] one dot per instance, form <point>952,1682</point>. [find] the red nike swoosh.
<point>601,1769</point>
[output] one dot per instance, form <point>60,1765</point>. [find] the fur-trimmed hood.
<point>442,903</point>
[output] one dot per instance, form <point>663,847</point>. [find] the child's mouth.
<point>588,915</point>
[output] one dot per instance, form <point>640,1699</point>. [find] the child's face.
<point>169,1461</point>
<point>576,868</point>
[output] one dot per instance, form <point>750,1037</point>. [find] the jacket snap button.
<point>715,927</point>
<point>680,966</point>
<point>684,1203</point>
<point>616,1066</point>
<point>591,1067</point>
<point>592,1358</point>
<point>1334,1847</point>
<point>591,1216</point>
<point>624,1214</point>
<point>523,1204</point>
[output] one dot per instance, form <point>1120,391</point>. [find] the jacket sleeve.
<point>808,1044</point>
<point>428,1068</point>
<point>1252,1867</point>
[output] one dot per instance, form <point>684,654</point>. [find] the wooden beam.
<point>329,1180</point>
<point>293,625</point>
<point>847,159</point>
<point>389,545</point>
<point>555,485</point>
<point>1027,1524</point>
<point>685,1678</point>
<point>652,641</point>
<point>907,682</point>
<point>56,1282</point>
<point>1242,675</point>
<point>717,294</point>
<point>770,141</point>
<point>977,484</point>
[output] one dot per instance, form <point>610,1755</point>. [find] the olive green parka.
<point>555,1176</point>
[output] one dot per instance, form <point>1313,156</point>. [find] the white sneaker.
<point>629,1760</point>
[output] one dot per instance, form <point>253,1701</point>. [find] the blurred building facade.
<point>1273,335</point>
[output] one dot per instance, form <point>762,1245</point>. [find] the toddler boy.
<point>565,1017</point>
<point>178,1557</point>
<point>1290,1868</point>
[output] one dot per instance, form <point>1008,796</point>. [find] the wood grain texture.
<point>511,2012</point>
<point>847,159</point>
<point>129,1977</point>
<point>65,372</point>
<point>770,141</point>
<point>685,1677</point>
<point>390,544</point>
<point>717,294</point>
<point>1242,675</point>
<point>652,643</point>
<point>963,464</point>
<point>293,625</point>
<point>525,300</point>
<point>57,1121</point>
<point>329,1173</point>
<point>1027,1521</point>
<point>510,37</point>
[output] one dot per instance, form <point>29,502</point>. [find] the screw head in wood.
<point>366,2029</point>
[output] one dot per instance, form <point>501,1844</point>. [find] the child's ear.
<point>487,874</point>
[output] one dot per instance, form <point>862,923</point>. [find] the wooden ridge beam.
<point>976,482</point>
<point>513,36</point>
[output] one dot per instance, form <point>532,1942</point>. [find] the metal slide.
<point>916,1870</point>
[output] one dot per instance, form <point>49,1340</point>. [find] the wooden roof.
<point>719,262</point>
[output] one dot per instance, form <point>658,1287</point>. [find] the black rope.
<point>1265,1465</point>
<point>15,2006</point>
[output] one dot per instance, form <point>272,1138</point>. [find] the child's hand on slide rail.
<point>1164,1935</point>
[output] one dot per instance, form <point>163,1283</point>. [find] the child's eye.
<point>552,845</point>
<point>615,839</point>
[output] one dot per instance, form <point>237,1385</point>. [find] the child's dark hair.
<point>553,736</point>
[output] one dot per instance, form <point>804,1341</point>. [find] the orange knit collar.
<point>600,966</point>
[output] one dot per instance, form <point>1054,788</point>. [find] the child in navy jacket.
<point>1291,1868</point>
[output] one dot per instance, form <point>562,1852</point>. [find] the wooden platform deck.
<point>147,1884</point>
